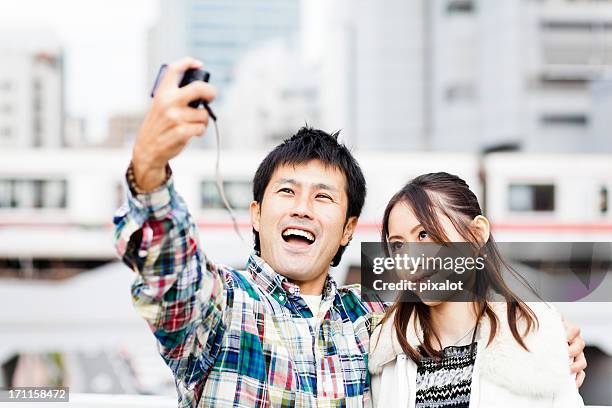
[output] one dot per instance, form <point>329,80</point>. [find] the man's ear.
<point>482,228</point>
<point>349,229</point>
<point>255,214</point>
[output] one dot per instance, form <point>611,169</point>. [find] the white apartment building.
<point>370,58</point>
<point>519,72</point>
<point>31,90</point>
<point>464,75</point>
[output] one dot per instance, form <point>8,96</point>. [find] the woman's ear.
<point>481,228</point>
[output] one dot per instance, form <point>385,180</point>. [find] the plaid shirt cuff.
<point>157,203</point>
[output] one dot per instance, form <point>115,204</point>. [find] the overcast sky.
<point>105,51</point>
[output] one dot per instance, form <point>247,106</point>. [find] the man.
<point>280,333</point>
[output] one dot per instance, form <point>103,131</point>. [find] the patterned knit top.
<point>446,382</point>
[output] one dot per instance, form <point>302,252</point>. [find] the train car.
<point>60,203</point>
<point>549,197</point>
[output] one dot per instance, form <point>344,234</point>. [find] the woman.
<point>464,354</point>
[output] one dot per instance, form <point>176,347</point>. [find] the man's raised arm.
<point>179,293</point>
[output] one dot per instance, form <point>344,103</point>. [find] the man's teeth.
<point>301,233</point>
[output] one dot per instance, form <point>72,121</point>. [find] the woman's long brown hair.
<point>452,197</point>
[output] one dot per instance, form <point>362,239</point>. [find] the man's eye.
<point>423,235</point>
<point>324,196</point>
<point>396,245</point>
<point>286,190</point>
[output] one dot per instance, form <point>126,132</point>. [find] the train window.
<point>23,194</point>
<point>5,193</point>
<point>239,195</point>
<point>28,193</point>
<point>531,197</point>
<point>603,200</point>
<point>54,194</point>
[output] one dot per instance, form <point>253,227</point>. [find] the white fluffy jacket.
<point>505,374</point>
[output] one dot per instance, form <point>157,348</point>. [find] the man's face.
<point>301,220</point>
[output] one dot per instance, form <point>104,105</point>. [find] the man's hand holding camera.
<point>169,124</point>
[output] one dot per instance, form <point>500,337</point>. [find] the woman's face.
<point>404,227</point>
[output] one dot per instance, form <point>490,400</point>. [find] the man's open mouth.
<point>298,236</point>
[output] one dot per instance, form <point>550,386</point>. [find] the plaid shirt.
<point>240,338</point>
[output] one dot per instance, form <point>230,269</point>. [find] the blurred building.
<point>601,96</point>
<point>123,129</point>
<point>463,75</point>
<point>273,94</point>
<point>219,32</point>
<point>389,48</point>
<point>31,89</point>
<point>519,72</point>
<point>372,73</point>
<point>74,131</point>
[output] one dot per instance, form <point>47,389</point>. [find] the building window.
<point>546,83</point>
<point>575,25</point>
<point>532,197</point>
<point>460,6</point>
<point>460,92</point>
<point>603,200</point>
<point>6,132</point>
<point>29,193</point>
<point>576,120</point>
<point>37,130</point>
<point>239,195</point>
<point>37,104</point>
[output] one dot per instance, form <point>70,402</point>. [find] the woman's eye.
<point>396,245</point>
<point>423,235</point>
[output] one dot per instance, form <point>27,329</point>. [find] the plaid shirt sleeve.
<point>177,291</point>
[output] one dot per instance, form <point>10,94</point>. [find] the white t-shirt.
<point>313,302</point>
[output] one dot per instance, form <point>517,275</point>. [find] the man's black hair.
<point>313,144</point>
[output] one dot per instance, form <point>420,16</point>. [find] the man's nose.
<point>302,208</point>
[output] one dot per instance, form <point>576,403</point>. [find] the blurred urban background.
<point>515,96</point>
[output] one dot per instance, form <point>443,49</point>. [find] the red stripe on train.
<point>505,226</point>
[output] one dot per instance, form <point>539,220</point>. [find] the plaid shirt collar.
<point>278,286</point>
